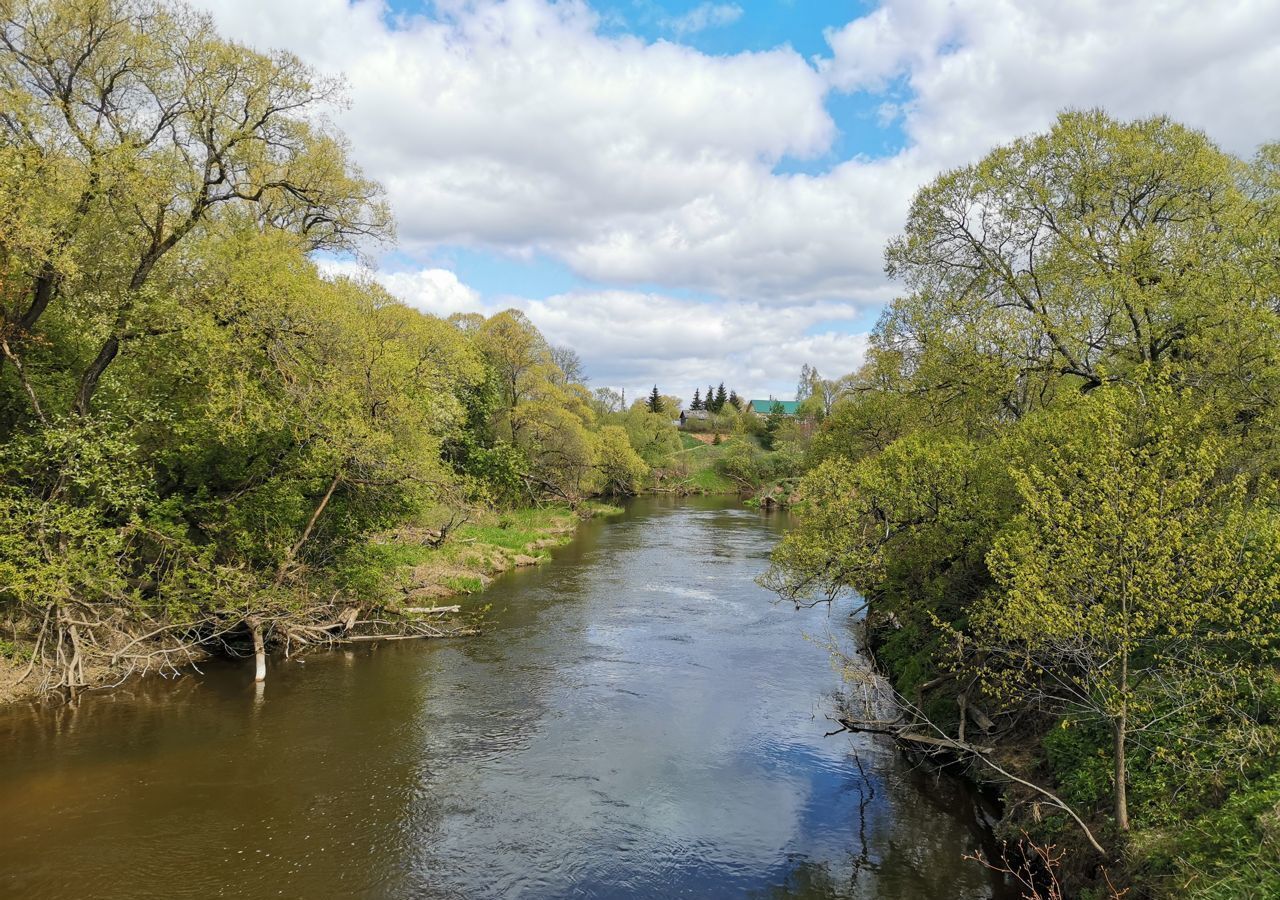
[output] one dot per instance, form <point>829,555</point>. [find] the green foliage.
<point>1054,479</point>
<point>1079,755</point>
<point>621,469</point>
<point>195,422</point>
<point>1232,851</point>
<point>773,422</point>
<point>651,435</point>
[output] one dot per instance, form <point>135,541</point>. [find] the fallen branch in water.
<point>907,733</point>
<point>78,646</point>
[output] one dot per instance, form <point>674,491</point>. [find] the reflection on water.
<point>638,720</point>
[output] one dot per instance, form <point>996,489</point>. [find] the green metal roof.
<point>764,407</point>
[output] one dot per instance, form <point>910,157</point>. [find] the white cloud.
<point>635,340</point>
<point>632,340</point>
<point>980,73</point>
<point>521,127</point>
<point>518,125</point>
<point>435,291</point>
<point>702,17</point>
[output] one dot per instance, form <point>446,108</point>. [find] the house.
<point>692,419</point>
<point>764,407</point>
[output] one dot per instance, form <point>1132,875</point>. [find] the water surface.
<point>637,720</point>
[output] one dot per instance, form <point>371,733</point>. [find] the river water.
<point>638,719</point>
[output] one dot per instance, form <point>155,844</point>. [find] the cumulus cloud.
<point>702,17</point>
<point>529,127</point>
<point>632,340</point>
<point>635,340</point>
<point>519,125</point>
<point>982,72</point>
<point>434,291</point>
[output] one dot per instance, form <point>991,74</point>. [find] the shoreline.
<point>407,581</point>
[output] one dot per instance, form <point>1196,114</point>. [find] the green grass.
<point>463,584</point>
<point>700,459</point>
<point>712,482</point>
<point>485,546</point>
<point>518,528</point>
<point>497,536</point>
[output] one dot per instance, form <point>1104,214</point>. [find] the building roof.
<point>764,407</point>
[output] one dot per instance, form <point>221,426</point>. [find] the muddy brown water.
<point>637,720</point>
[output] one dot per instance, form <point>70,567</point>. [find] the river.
<point>637,719</point>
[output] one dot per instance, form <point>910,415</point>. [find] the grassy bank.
<point>404,570</point>
<point>736,464</point>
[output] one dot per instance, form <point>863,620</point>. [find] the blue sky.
<point>690,191</point>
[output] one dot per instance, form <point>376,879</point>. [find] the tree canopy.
<point>1053,480</point>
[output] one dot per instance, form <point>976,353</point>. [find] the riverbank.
<point>1223,854</point>
<point>395,586</point>
<point>406,569</point>
<point>636,718</point>
<point>732,464</point>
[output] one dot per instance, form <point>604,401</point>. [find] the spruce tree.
<point>735,401</point>
<point>655,400</point>
<point>709,404</point>
<point>721,397</point>
<point>697,399</point>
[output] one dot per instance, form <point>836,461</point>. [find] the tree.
<point>1134,568</point>
<point>735,401</point>
<point>605,401</point>
<point>721,398</point>
<point>655,400</point>
<point>776,418</point>
<point>709,399</point>
<point>153,129</point>
<point>1071,257</point>
<point>521,359</point>
<point>1053,479</point>
<point>697,400</point>
<point>620,467</point>
<point>570,365</point>
<point>806,386</point>
<point>651,434</point>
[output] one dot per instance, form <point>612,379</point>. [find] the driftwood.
<point>903,733</point>
<point>77,646</point>
<point>437,539</point>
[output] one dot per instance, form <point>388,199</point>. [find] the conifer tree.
<point>697,399</point>
<point>655,400</point>
<point>721,397</point>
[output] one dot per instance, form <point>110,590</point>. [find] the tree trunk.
<point>46,284</point>
<point>89,381</point>
<point>259,652</point>
<point>311,524</point>
<point>1122,800</point>
<point>1119,729</point>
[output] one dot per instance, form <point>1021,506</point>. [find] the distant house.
<point>692,419</point>
<point>764,407</point>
